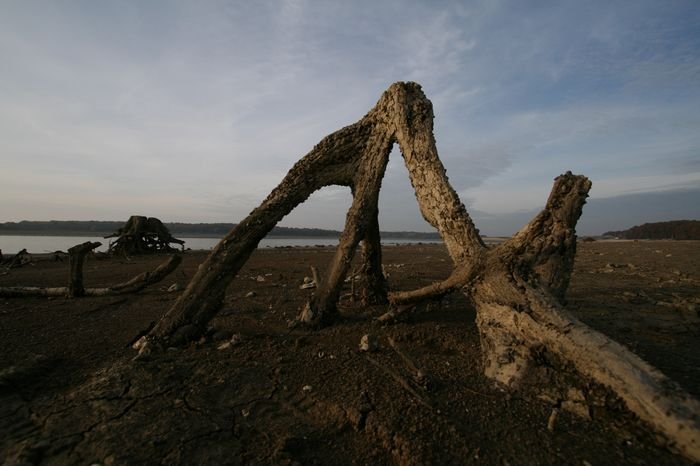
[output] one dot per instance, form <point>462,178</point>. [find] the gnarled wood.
<point>527,338</point>
<point>142,235</point>
<point>355,156</point>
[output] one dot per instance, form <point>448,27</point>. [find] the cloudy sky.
<point>194,111</point>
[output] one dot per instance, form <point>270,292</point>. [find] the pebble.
<point>235,340</point>
<point>174,287</point>
<point>369,343</point>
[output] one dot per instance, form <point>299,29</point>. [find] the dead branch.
<point>401,380</point>
<point>394,312</point>
<point>76,288</point>
<point>140,281</point>
<point>419,375</point>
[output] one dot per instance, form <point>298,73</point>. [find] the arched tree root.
<point>517,288</point>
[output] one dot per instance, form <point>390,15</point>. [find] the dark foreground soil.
<point>71,394</point>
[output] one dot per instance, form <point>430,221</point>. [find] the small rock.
<point>174,287</point>
<point>235,340</point>
<point>259,278</point>
<point>145,352</point>
<point>251,294</point>
<point>552,419</point>
<point>369,343</point>
<point>307,388</point>
<point>224,346</point>
<point>139,343</point>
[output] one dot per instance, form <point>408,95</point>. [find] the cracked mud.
<point>71,393</point>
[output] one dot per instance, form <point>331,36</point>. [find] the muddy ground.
<point>258,392</point>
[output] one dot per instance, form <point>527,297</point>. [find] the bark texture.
<point>527,338</point>
<point>354,156</point>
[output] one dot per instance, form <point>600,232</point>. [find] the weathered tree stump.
<point>529,341</point>
<point>142,235</point>
<point>76,259</point>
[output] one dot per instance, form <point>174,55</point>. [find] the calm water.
<point>42,244</point>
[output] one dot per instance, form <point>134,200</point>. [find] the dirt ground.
<point>258,392</point>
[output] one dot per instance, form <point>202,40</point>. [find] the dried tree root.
<point>402,381</point>
<point>517,287</point>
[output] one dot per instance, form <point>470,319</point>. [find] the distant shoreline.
<point>177,229</point>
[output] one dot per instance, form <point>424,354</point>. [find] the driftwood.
<point>76,288</point>
<point>18,260</point>
<point>142,235</point>
<point>529,342</point>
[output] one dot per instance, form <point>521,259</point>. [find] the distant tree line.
<point>214,230</point>
<point>677,229</point>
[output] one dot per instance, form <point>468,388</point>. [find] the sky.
<point>194,111</point>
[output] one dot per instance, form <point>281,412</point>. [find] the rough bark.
<point>355,156</point>
<point>373,285</point>
<point>527,338</point>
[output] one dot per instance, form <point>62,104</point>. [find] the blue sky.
<point>194,111</point>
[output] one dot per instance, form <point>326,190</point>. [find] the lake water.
<point>43,244</point>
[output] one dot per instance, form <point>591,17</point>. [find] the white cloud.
<point>198,110</point>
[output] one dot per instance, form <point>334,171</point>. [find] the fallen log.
<point>76,288</point>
